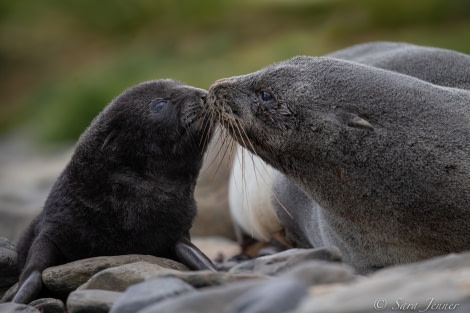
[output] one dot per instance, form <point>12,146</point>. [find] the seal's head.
<point>368,145</point>
<point>275,112</point>
<point>331,124</point>
<point>157,125</point>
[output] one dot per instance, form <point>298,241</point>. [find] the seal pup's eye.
<point>266,97</point>
<point>158,105</point>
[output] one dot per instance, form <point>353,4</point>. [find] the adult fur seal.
<point>255,200</point>
<point>128,187</point>
<point>381,156</point>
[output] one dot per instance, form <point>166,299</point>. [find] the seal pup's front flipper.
<point>191,256</point>
<point>42,255</point>
<point>30,289</point>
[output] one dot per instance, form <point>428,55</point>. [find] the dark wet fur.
<point>129,187</point>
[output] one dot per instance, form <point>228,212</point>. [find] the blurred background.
<point>61,61</point>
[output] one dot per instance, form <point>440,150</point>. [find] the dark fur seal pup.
<point>128,187</point>
<point>381,157</point>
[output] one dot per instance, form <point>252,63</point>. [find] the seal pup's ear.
<point>191,256</point>
<point>353,120</point>
<point>111,136</point>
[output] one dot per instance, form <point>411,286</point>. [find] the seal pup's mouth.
<point>196,121</point>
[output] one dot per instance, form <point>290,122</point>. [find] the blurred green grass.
<point>61,62</point>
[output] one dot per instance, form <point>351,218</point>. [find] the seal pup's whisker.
<point>215,155</point>
<point>210,114</point>
<point>206,127</point>
<point>224,155</point>
<point>192,143</point>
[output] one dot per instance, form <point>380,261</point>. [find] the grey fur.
<point>438,66</point>
<point>395,192</point>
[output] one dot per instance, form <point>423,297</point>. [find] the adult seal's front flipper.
<point>191,256</point>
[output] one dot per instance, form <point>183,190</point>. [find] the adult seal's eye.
<point>266,97</point>
<point>158,105</point>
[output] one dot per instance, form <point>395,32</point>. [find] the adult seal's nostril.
<point>371,159</point>
<point>128,189</point>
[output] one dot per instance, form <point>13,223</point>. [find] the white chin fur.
<point>250,196</point>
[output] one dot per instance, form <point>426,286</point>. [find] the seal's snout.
<point>202,95</point>
<point>222,86</point>
<point>201,92</point>
<point>217,86</point>
<point>216,92</point>
<point>198,96</point>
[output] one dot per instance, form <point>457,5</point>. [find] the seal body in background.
<point>435,65</point>
<point>128,188</point>
<point>381,158</point>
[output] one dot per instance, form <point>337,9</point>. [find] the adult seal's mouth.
<point>231,113</point>
<point>195,117</point>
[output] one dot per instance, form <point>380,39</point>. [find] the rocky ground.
<point>296,281</point>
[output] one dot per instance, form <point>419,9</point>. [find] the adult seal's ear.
<point>109,139</point>
<point>380,155</point>
<point>352,120</point>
